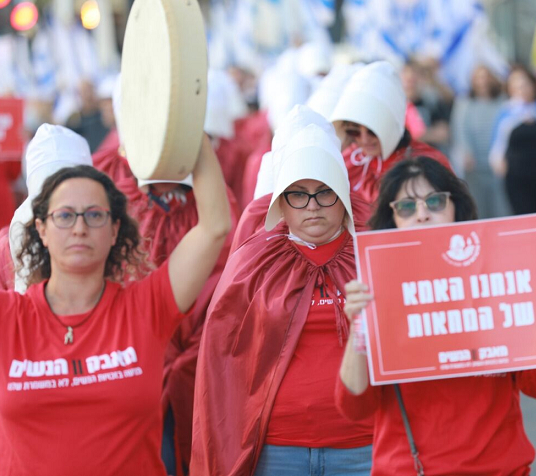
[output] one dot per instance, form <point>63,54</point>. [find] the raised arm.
<point>192,261</point>
<point>353,371</point>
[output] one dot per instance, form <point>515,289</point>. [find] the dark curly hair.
<point>126,256</point>
<point>439,177</point>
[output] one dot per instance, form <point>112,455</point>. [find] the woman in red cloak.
<point>369,119</point>
<point>275,330</point>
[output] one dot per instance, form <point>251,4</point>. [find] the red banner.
<point>451,300</point>
<point>11,129</point>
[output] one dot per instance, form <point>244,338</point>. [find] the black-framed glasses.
<point>324,198</point>
<point>94,217</point>
<point>435,202</point>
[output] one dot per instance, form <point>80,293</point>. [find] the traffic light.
<point>90,14</point>
<point>24,16</point>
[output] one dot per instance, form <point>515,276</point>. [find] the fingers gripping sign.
<point>357,298</point>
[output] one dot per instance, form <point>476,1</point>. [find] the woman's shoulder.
<point>13,303</point>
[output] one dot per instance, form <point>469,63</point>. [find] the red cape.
<point>254,322</point>
<point>231,164</point>
<point>253,139</point>
<point>109,159</point>
<point>251,172</point>
<point>253,217</point>
<point>163,231</point>
<point>250,131</point>
<point>364,179</point>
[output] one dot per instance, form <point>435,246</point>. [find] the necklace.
<point>69,335</point>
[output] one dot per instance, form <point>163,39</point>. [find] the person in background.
<point>87,121</point>
<point>472,123</point>
<point>432,100</point>
<point>225,106</point>
<point>370,120</point>
<point>469,425</point>
<point>514,141</point>
<point>281,87</point>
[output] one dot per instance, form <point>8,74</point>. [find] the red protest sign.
<point>451,300</point>
<point>11,129</point>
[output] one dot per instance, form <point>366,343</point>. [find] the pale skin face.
<point>482,82</point>
<point>353,371</point>
<point>421,188</point>
<point>314,224</point>
<point>357,297</point>
<point>80,249</point>
<point>520,87</point>
<point>353,133</point>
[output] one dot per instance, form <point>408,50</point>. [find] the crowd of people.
<point>211,326</point>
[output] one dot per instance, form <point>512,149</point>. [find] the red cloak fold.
<point>364,179</point>
<point>254,322</point>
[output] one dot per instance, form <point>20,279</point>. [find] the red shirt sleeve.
<point>356,407</point>
<point>153,296</point>
<point>526,382</point>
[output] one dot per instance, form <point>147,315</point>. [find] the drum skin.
<point>163,88</point>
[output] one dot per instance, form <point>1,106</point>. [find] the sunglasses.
<point>435,202</point>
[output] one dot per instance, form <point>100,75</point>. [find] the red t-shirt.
<point>461,426</point>
<point>304,412</point>
<point>92,407</point>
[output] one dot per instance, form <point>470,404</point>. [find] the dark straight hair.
<point>439,177</point>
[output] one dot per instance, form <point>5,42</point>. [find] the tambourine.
<point>163,88</point>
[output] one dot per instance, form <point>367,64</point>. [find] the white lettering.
<point>437,290</point>
<point>500,284</point>
<point>49,368</point>
<point>523,281</point>
<point>409,292</point>
<point>454,356</point>
<point>414,325</point>
<point>523,313</point>
<point>439,323</point>
<point>485,317</point>
<point>113,360</point>
<point>453,321</point>
<point>492,352</point>
<point>496,281</point>
<point>454,317</point>
<point>470,323</point>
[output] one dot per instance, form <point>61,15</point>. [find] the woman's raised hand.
<point>357,298</point>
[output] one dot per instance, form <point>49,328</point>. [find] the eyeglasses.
<point>94,217</point>
<point>354,132</point>
<point>435,202</point>
<point>324,198</point>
